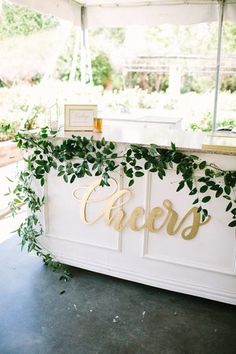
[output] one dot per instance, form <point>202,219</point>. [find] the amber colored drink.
<point>98,125</point>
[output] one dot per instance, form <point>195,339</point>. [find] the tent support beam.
<point>85,60</point>
<point>72,76</point>
<point>218,62</point>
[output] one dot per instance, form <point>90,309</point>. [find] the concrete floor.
<point>94,313</point>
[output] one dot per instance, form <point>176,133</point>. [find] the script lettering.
<point>114,214</point>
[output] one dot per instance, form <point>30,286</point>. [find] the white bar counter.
<point>80,226</point>
<point>142,118</point>
<point>163,136</point>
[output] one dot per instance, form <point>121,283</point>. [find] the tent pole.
<point>85,61</point>
<point>218,62</point>
<point>83,54</point>
<point>72,76</point>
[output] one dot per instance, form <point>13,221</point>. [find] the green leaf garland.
<point>78,156</point>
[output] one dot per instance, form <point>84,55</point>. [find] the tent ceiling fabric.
<point>68,10</point>
<point>151,15</point>
<point>146,2</point>
<point>113,13</point>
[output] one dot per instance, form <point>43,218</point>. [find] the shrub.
<point>102,70</point>
<point>189,83</point>
<point>228,83</point>
<point>8,129</point>
<point>205,125</point>
<point>152,82</point>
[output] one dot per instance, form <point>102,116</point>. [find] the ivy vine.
<point>78,156</point>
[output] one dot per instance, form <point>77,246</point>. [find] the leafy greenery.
<point>116,34</point>
<point>78,156</point>
<point>102,70</point>
<point>64,61</point>
<point>31,115</point>
<point>27,118</point>
<point>8,129</point>
<point>16,20</point>
<point>190,84</point>
<point>205,124</point>
<point>101,67</point>
<point>228,83</point>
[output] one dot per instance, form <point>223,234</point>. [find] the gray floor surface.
<point>94,313</point>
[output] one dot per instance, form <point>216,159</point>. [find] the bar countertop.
<point>219,143</point>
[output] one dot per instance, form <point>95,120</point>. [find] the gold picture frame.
<point>79,117</point>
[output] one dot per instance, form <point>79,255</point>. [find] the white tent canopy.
<point>65,9</point>
<point>118,13</point>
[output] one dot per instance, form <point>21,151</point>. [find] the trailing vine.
<point>78,156</point>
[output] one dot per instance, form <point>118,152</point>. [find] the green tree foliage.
<point>101,67</point>
<point>102,70</point>
<point>229,37</point>
<point>8,129</point>
<point>16,20</point>
<point>115,35</point>
<point>64,61</point>
<point>195,39</point>
<point>151,82</point>
<point>228,83</point>
<point>205,125</point>
<point>189,84</point>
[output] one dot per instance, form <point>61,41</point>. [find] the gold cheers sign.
<point>158,218</point>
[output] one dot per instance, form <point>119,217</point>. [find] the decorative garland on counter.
<point>79,156</point>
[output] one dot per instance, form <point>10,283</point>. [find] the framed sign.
<point>79,117</point>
